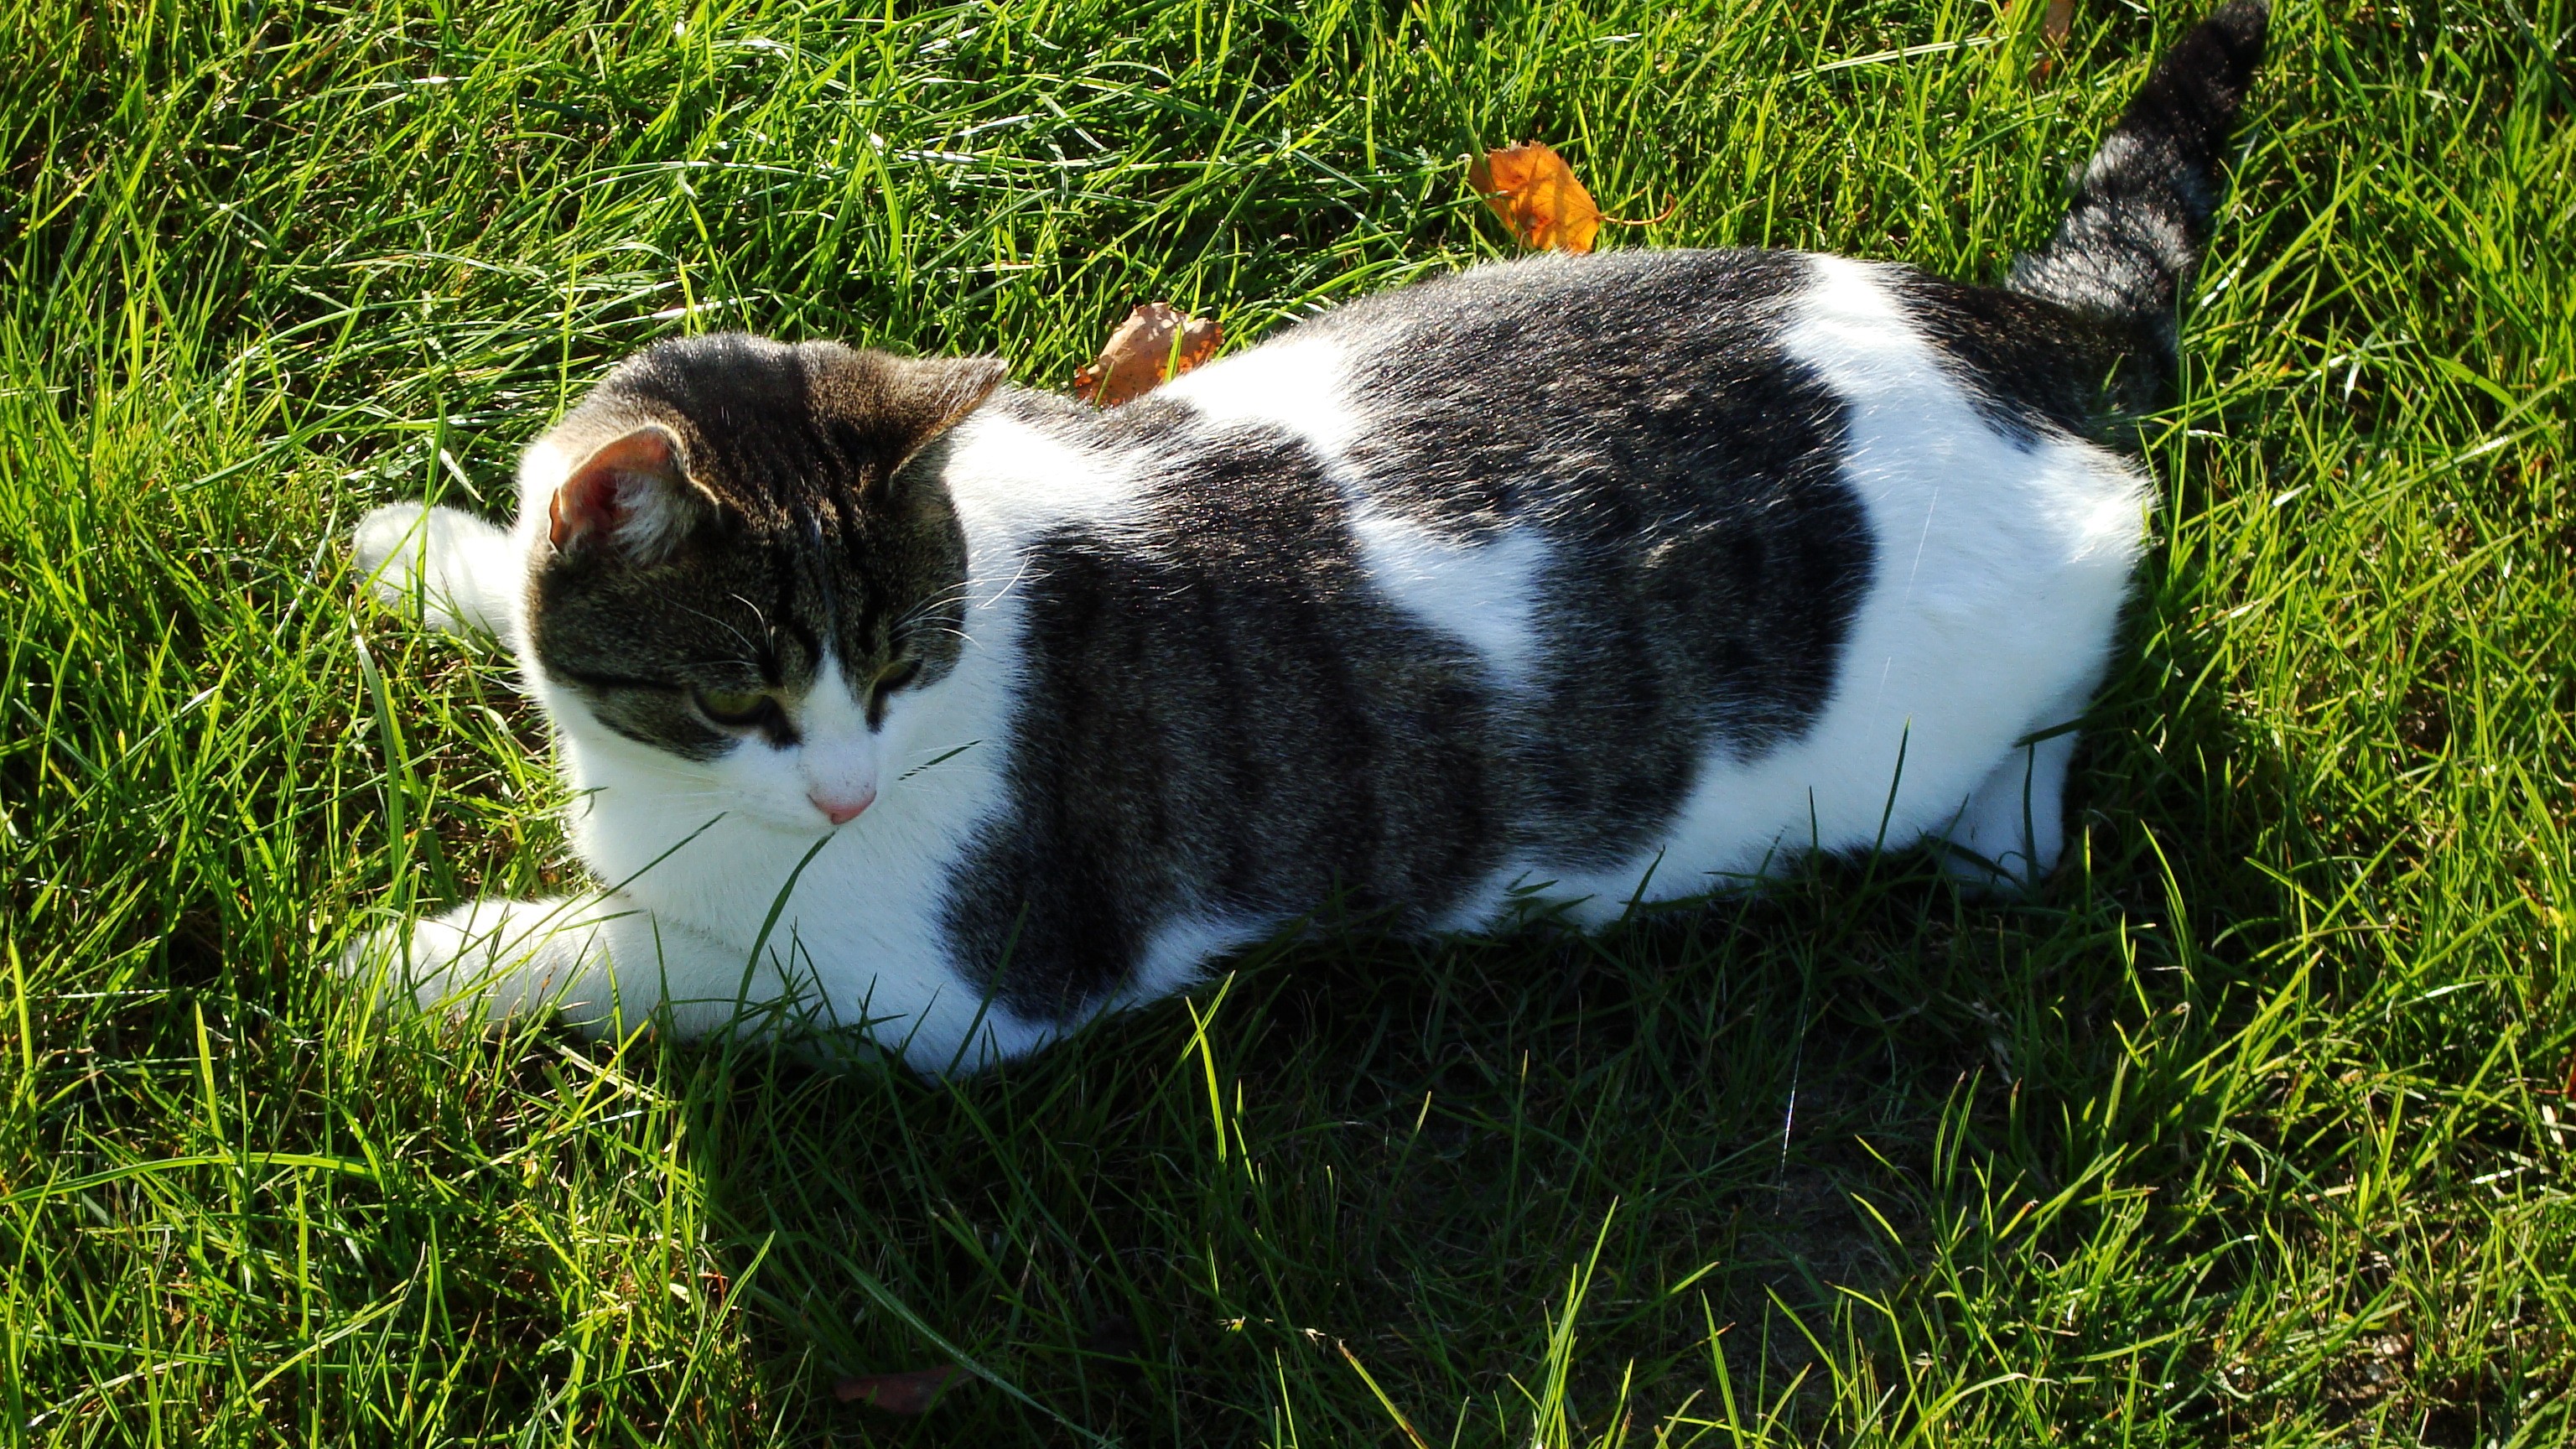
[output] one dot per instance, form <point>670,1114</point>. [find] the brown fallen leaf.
<point>2058,23</point>
<point>910,1392</point>
<point>1132,361</point>
<point>1532,189</point>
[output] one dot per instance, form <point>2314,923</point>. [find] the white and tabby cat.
<point>996,712</point>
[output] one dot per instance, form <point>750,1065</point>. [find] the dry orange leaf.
<point>1132,362</point>
<point>912,1392</point>
<point>1532,189</point>
<point>2058,23</point>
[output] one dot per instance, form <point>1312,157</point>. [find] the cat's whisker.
<point>946,597</point>
<point>1027,566</point>
<point>751,648</point>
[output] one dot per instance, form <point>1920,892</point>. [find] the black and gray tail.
<point>2142,213</point>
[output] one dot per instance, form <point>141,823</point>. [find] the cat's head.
<point>736,584</point>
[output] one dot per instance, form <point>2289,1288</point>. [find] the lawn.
<point>2249,1129</point>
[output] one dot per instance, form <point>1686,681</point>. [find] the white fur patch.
<point>1012,482</point>
<point>1293,385</point>
<point>837,754</point>
<point>543,469</point>
<point>1482,593</point>
<point>1177,957</point>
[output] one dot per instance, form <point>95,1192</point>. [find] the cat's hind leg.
<point>462,574</point>
<point>2009,834</point>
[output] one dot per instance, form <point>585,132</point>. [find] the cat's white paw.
<point>401,960</point>
<point>387,550</point>
<point>2008,836</point>
<point>455,568</point>
<point>494,960</point>
<point>380,534</point>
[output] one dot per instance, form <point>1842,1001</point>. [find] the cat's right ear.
<point>632,495</point>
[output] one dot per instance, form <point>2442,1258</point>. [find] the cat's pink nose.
<point>842,809</point>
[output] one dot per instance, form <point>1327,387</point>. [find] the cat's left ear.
<point>632,495</point>
<point>918,398</point>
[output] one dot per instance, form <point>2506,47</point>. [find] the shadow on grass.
<point>1536,1184</point>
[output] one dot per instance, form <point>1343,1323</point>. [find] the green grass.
<point>2250,1130</point>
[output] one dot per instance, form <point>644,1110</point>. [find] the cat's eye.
<point>893,677</point>
<point>735,706</point>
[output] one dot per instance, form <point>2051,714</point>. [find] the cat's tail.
<point>2142,212</point>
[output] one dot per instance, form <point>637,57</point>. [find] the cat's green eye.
<point>734,706</point>
<point>894,676</point>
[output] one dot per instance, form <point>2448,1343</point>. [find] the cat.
<point>900,703</point>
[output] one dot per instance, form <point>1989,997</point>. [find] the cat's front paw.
<point>381,535</point>
<point>404,963</point>
<point>491,961</point>
<point>456,568</point>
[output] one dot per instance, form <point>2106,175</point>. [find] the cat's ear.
<point>632,494</point>
<point>918,398</point>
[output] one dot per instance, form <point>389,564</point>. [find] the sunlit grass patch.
<point>2251,1129</point>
